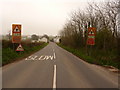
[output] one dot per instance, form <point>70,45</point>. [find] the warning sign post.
<point>16,37</point>
<point>91,36</point>
<point>16,33</point>
<point>90,40</point>
<point>20,48</point>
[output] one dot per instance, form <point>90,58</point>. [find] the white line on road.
<point>34,57</point>
<point>54,78</point>
<point>49,57</point>
<point>53,50</point>
<point>54,55</point>
<point>43,57</point>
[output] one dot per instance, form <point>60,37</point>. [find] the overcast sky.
<point>38,16</point>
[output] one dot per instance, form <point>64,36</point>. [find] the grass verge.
<point>97,58</point>
<point>9,55</point>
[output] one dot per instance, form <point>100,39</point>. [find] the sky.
<point>38,16</point>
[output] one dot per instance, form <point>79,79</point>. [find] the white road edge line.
<point>54,78</point>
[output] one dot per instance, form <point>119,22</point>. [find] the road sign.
<point>16,33</point>
<point>20,48</point>
<point>91,36</point>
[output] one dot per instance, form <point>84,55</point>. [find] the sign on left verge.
<point>20,48</point>
<point>16,33</point>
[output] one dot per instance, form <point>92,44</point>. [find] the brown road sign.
<point>16,33</point>
<point>91,36</point>
<point>20,48</point>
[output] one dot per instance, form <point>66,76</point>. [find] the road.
<point>54,67</point>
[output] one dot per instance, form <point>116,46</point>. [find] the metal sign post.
<point>91,38</point>
<point>16,33</point>
<point>16,37</point>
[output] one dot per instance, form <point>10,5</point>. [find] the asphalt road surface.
<point>54,67</point>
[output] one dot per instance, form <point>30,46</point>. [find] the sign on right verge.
<point>91,36</point>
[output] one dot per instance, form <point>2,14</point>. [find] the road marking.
<point>54,55</point>
<point>53,50</point>
<point>47,57</point>
<point>42,57</point>
<point>28,58</point>
<point>34,57</point>
<point>54,78</point>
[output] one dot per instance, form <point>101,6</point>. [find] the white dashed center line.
<point>54,55</point>
<point>54,78</point>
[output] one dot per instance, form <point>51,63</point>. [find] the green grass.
<point>9,55</point>
<point>97,56</point>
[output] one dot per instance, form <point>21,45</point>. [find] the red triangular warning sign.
<point>20,48</point>
<point>16,29</point>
